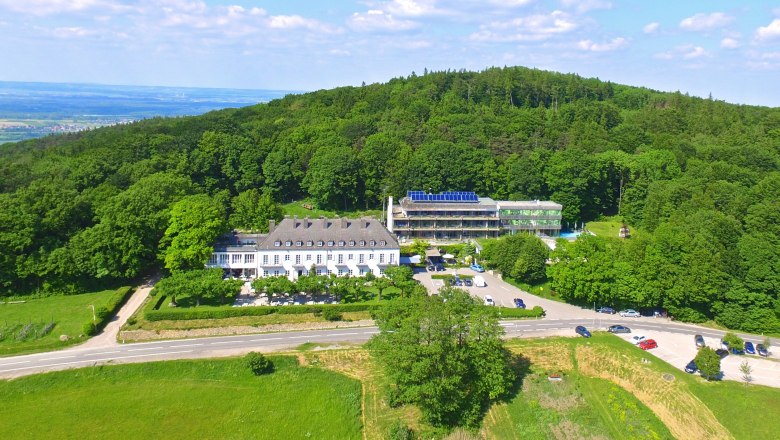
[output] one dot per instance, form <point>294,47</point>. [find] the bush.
<point>258,363</point>
<point>733,341</point>
<point>508,312</point>
<point>399,431</point>
<point>89,328</point>
<point>332,315</point>
<point>185,313</point>
<point>708,363</point>
<point>104,314</point>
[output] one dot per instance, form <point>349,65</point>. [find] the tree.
<point>419,247</point>
<point>444,353</point>
<point>708,363</point>
<point>747,372</point>
<point>280,285</point>
<point>333,177</point>
<point>258,364</point>
<point>197,284</point>
<point>196,221</point>
<point>380,284</point>
<point>252,211</point>
<point>733,341</point>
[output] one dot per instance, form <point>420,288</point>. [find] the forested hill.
<point>97,204</point>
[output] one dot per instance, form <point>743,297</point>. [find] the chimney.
<point>364,223</point>
<point>325,223</point>
<point>344,223</point>
<point>271,225</point>
<point>390,224</point>
<point>306,222</point>
<point>295,222</point>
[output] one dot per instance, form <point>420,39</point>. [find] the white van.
<point>479,281</point>
<point>489,300</point>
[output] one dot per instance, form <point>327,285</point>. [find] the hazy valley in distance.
<point>32,109</point>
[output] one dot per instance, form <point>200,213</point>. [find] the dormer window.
<point>288,243</point>
<point>351,242</point>
<point>382,243</point>
<point>341,243</point>
<point>277,243</point>
<point>362,243</point>
<point>319,243</point>
<point>310,243</point>
<point>331,243</point>
<point>299,243</point>
<point>372,243</point>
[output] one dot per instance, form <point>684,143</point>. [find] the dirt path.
<point>107,338</point>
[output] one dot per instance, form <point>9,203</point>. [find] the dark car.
<point>608,310</point>
<point>736,350</point>
<point>582,331</point>
<point>439,267</point>
<point>749,348</point>
<point>647,344</point>
<point>722,353</point>
<point>762,351</point>
<point>467,282</point>
<point>691,367</point>
<point>618,329</point>
<point>699,340</point>
<point>519,303</point>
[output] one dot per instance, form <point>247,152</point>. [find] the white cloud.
<point>582,6</point>
<point>375,19</point>
<point>71,32</point>
<point>702,21</point>
<point>769,32</point>
<point>339,52</point>
<point>650,28</point>
<point>729,43</point>
<point>48,7</point>
<point>685,52</point>
<point>528,28</point>
<point>614,44</point>
<point>411,8</point>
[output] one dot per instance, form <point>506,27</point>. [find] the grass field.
<point>296,208</point>
<point>211,399</point>
<point>67,313</point>
<point>607,227</point>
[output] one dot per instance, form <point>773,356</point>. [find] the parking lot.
<point>677,348</point>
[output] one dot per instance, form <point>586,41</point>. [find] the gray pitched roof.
<point>305,231</point>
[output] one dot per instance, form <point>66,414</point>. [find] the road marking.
<point>184,345</point>
<point>223,342</point>
<point>145,349</point>
<point>55,358</point>
<point>88,361</point>
<point>15,363</point>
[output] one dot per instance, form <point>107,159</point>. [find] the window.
<point>286,257</point>
<point>330,257</point>
<point>277,243</point>
<point>341,243</point>
<point>299,243</point>
<point>331,243</point>
<point>265,259</point>
<point>361,258</point>
<point>341,272</point>
<point>223,258</point>
<point>381,258</point>
<point>350,257</point>
<point>351,242</point>
<point>341,258</point>
<point>372,243</point>
<point>287,273</point>
<point>276,273</point>
<point>392,258</point>
<point>319,272</point>
<point>309,243</point>
<point>362,243</point>
<point>371,256</point>
<point>320,243</point>
<point>330,272</point>
<point>249,258</point>
<point>235,259</point>
<point>308,257</point>
<point>381,271</point>
<point>297,259</point>
<point>319,259</point>
<point>213,259</point>
<point>288,243</point>
<point>382,243</point>
<point>276,259</point>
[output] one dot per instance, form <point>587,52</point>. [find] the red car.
<point>647,344</point>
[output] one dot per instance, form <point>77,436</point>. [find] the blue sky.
<point>730,49</point>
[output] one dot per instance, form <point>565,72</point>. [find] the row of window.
<point>223,259</point>
<point>340,272</point>
<point>331,243</point>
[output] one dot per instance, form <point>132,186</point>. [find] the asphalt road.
<point>226,345</point>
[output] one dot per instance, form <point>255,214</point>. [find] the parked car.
<point>618,329</point>
<point>582,331</point>
<point>519,303</point>
<point>608,310</point>
<point>691,367</point>
<point>467,282</point>
<point>699,340</point>
<point>647,344</point>
<point>762,351</point>
<point>629,313</point>
<point>749,348</point>
<point>458,281</point>
<point>431,268</point>
<point>489,300</point>
<point>477,268</point>
<point>638,338</point>
<point>439,267</point>
<point>722,353</point>
<point>479,281</point>
<point>732,350</point>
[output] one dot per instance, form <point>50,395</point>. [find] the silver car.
<point>629,313</point>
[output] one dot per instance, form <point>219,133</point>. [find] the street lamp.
<point>94,318</point>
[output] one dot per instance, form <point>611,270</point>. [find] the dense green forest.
<point>697,178</point>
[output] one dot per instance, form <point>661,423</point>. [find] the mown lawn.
<point>607,227</point>
<point>68,313</point>
<point>206,399</point>
<point>296,208</point>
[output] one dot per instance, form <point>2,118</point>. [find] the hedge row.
<point>508,312</point>
<point>104,314</point>
<point>181,314</point>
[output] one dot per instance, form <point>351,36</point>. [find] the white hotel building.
<point>294,247</point>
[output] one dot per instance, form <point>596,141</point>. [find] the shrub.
<point>399,431</point>
<point>89,328</point>
<point>185,313</point>
<point>332,315</point>
<point>258,363</point>
<point>508,312</point>
<point>733,341</point>
<point>708,363</point>
<point>25,332</point>
<point>47,329</point>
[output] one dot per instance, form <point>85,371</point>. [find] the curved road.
<point>226,345</point>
